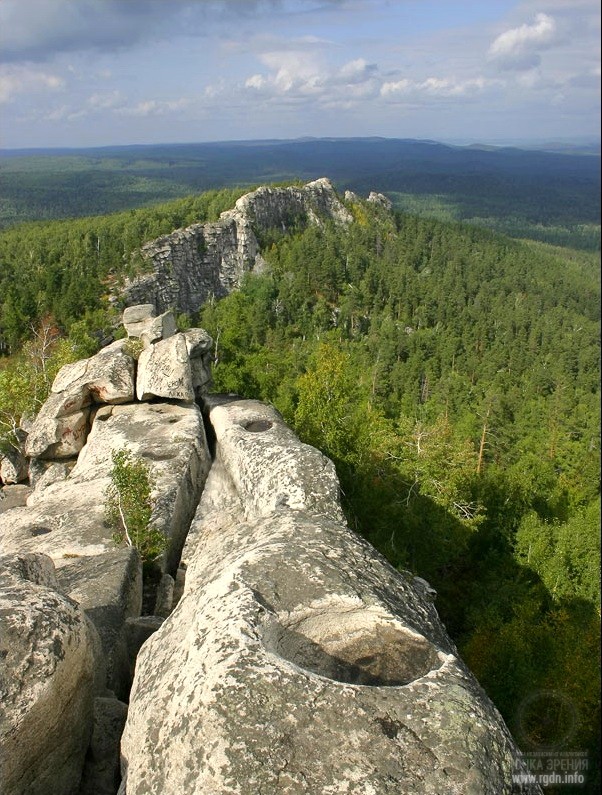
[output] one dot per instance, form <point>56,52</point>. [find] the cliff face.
<point>282,654</point>
<point>191,265</point>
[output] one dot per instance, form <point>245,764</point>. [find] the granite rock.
<point>46,680</point>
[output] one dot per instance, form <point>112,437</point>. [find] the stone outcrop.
<point>298,660</point>
<point>86,577</point>
<point>61,427</point>
<point>46,680</point>
<point>190,265</point>
<point>143,323</point>
<point>13,466</point>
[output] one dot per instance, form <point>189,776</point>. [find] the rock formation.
<point>190,265</point>
<point>272,650</point>
<point>298,660</point>
<point>101,585</point>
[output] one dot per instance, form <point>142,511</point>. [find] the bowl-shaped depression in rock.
<point>354,646</point>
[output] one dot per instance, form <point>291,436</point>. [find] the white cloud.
<point>443,87</point>
<point>21,79</point>
<point>296,75</point>
<point>154,107</point>
<point>519,48</point>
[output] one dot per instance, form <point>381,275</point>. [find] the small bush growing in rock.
<point>133,347</point>
<point>129,505</point>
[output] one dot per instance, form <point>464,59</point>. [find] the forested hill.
<point>546,195</point>
<point>451,373</point>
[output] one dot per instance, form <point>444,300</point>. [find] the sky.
<point>78,73</point>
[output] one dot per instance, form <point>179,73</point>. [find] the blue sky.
<point>101,72</point>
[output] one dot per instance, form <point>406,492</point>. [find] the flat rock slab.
<point>69,521</point>
<point>109,589</point>
<point>164,371</point>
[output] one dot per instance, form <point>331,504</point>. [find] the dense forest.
<point>552,196</point>
<point>451,373</point>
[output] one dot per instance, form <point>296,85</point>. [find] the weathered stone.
<point>138,631</point>
<point>270,467</point>
<point>13,497</point>
<point>61,427</point>
<point>46,680</point>
<point>382,200</point>
<point>106,377</point>
<point>164,371</point>
<point>101,772</point>
<point>191,265</point>
<point>143,323</point>
<point>298,659</point>
<point>164,599</point>
<point>53,472</point>
<point>141,313</point>
<point>13,466</point>
<point>199,345</point>
<point>109,588</point>
<point>69,522</point>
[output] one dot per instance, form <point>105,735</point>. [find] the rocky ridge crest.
<point>191,265</point>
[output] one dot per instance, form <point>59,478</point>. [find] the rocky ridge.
<point>281,654</point>
<point>191,265</point>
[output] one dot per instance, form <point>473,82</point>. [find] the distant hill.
<point>545,195</point>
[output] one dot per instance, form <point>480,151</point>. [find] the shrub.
<point>129,505</point>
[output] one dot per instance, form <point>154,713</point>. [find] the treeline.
<point>547,196</point>
<point>453,377</point>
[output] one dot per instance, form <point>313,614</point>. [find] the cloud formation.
<point>37,30</point>
<point>167,70</point>
<point>519,48</point>
<point>20,79</point>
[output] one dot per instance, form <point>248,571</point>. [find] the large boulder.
<point>61,427</point>
<point>13,466</point>
<point>68,521</point>
<point>46,680</point>
<point>164,371</point>
<point>199,345</point>
<point>142,322</point>
<point>298,660</point>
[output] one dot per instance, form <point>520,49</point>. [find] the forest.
<point>452,375</point>
<point>552,196</point>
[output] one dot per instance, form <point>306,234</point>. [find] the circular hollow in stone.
<point>357,647</point>
<point>258,426</point>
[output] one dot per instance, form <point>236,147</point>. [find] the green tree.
<point>129,506</point>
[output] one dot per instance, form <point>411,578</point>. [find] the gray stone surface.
<point>46,680</point>
<point>200,351</point>
<point>191,265</point>
<point>13,466</point>
<point>13,497</point>
<point>69,521</point>
<point>164,371</point>
<point>138,630</point>
<point>298,660</point>
<point>101,774</point>
<point>270,467</point>
<point>61,426</point>
<point>142,322</point>
<point>109,588</point>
